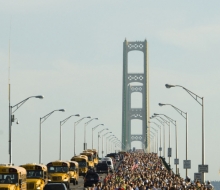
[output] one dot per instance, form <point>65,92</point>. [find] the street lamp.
<point>160,149</point>
<point>85,145</point>
<point>185,116</point>
<point>157,139</point>
<point>110,145</point>
<point>153,144</point>
<point>168,124</point>
<point>164,143</point>
<point>42,119</point>
<point>120,142</point>
<point>102,142</point>
<point>92,132</point>
<point>107,143</point>
<point>111,142</point>
<point>12,119</point>
<point>114,143</point>
<point>75,124</point>
<point>175,124</point>
<point>195,97</point>
<point>99,136</point>
<point>61,123</point>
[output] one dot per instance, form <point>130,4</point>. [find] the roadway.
<point>81,182</point>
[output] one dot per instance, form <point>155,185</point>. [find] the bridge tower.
<point>128,113</point>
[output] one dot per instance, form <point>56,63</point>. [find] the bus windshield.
<point>34,174</point>
<point>72,168</point>
<point>90,158</point>
<point>82,164</point>
<point>57,169</point>
<point>8,178</point>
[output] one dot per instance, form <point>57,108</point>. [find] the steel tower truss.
<point>129,113</point>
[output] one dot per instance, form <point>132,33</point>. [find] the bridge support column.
<point>129,113</point>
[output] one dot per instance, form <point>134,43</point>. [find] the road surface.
<point>81,182</point>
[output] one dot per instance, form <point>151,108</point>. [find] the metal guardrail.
<point>166,165</point>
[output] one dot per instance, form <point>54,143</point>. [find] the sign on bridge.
<point>203,168</point>
<point>187,164</point>
<point>176,161</point>
<point>169,152</point>
<point>198,176</point>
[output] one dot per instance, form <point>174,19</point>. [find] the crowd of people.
<point>140,171</point>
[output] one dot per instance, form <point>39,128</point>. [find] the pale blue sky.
<point>71,52</point>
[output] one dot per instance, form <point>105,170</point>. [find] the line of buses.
<point>34,176</point>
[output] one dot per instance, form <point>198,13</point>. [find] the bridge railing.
<point>166,165</point>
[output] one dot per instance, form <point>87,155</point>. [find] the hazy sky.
<point>71,52</point>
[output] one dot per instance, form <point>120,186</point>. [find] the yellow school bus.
<point>74,172</point>
<point>90,158</point>
<point>36,175</point>
<point>95,156</point>
<point>58,172</point>
<point>83,164</point>
<point>12,177</point>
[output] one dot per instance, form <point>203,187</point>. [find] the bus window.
<point>90,158</point>
<point>82,164</point>
<point>34,174</point>
<point>72,168</point>
<point>57,169</point>
<point>8,178</point>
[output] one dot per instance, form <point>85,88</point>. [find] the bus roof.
<point>4,168</point>
<point>34,166</point>
<point>83,156</point>
<point>92,150</point>
<point>80,158</point>
<point>95,152</point>
<point>59,163</point>
<point>86,153</point>
<point>73,163</point>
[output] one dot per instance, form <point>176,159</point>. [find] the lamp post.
<point>160,149</point>
<point>117,144</point>
<point>109,145</point>
<point>195,97</point>
<point>99,136</point>
<point>175,124</point>
<point>42,119</point>
<point>157,139</point>
<point>153,144</point>
<point>84,144</point>
<point>106,144</point>
<point>120,142</point>
<point>185,116</point>
<point>102,142</point>
<point>168,124</point>
<point>75,124</point>
<point>12,119</point>
<point>164,144</point>
<point>92,132</point>
<point>112,144</point>
<point>62,123</point>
